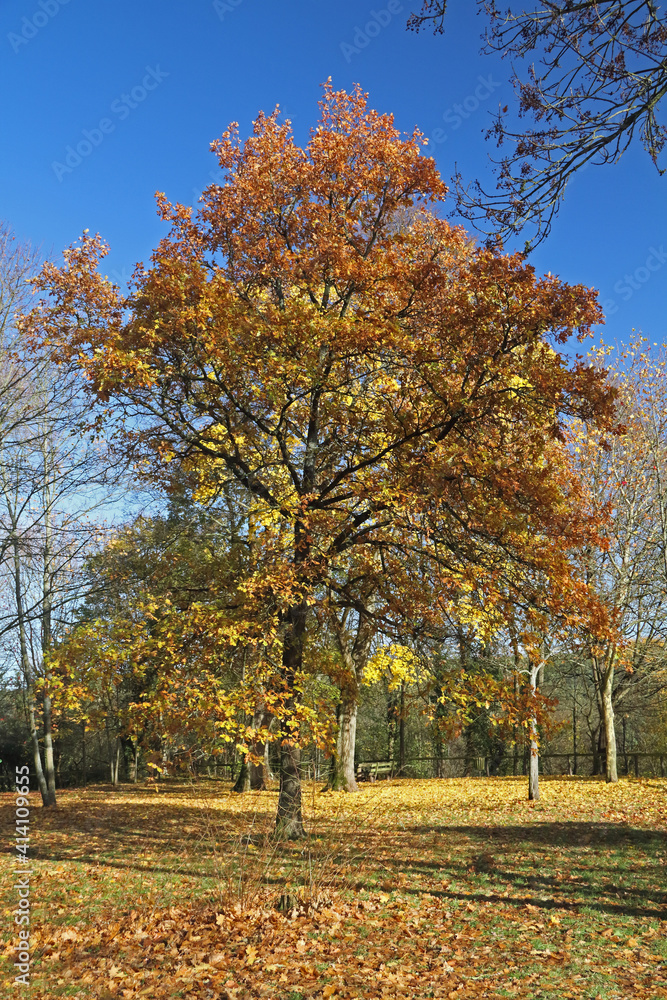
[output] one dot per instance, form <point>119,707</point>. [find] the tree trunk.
<point>260,774</point>
<point>115,761</point>
<point>42,784</point>
<point>401,733</point>
<point>603,673</point>
<point>83,754</point>
<point>253,775</point>
<point>602,744</point>
<point>242,783</point>
<point>343,778</point>
<point>47,638</point>
<point>49,766</point>
<point>534,766</point>
<point>113,753</point>
<point>289,820</point>
<point>611,770</point>
<point>36,752</point>
<point>534,770</point>
<point>354,649</point>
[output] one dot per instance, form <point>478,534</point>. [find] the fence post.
<point>636,765</point>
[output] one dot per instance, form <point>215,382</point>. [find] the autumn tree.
<point>628,475</point>
<point>359,381</point>
<point>148,590</point>
<point>595,83</point>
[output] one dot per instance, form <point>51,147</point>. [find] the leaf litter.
<point>454,889</point>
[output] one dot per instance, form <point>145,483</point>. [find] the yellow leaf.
<point>251,954</point>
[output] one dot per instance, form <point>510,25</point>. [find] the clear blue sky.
<point>146,85</point>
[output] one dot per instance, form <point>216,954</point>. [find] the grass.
<point>454,888</point>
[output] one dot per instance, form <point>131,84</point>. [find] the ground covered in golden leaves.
<point>410,889</point>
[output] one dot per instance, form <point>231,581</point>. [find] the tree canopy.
<point>385,395</point>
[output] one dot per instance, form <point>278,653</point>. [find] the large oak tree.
<point>382,393</point>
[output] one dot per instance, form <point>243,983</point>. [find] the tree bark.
<point>115,761</point>
<point>253,775</point>
<point>289,819</point>
<point>242,783</point>
<point>47,638</point>
<point>611,769</point>
<point>401,732</point>
<point>42,784</point>
<point>49,765</point>
<point>260,774</point>
<point>343,777</point>
<point>36,752</point>
<point>534,765</point>
<point>603,673</point>
<point>355,650</point>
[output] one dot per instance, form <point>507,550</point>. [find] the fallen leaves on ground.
<point>449,889</point>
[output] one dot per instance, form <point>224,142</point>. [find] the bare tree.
<point>52,482</point>
<point>596,80</point>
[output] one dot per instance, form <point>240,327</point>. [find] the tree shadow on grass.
<point>584,846</point>
<point>574,834</point>
<point>574,906</point>
<point>122,828</point>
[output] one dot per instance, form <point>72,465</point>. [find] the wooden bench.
<point>375,770</point>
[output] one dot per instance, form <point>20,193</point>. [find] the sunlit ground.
<point>450,888</point>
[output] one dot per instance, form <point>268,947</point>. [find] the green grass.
<point>462,884</point>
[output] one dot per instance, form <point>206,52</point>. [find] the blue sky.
<point>143,86</point>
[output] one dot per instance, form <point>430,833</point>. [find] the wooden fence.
<point>635,763</point>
